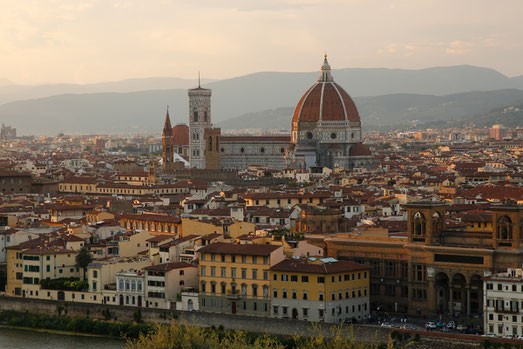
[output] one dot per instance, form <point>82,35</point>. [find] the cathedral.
<point>326,131</point>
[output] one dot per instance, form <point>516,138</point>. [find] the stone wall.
<point>235,322</point>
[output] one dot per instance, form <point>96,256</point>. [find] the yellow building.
<point>153,223</point>
<point>276,199</point>
<point>46,263</point>
<point>226,227</point>
<point>234,279</point>
<point>320,290</point>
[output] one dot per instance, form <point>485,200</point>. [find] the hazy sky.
<point>84,41</point>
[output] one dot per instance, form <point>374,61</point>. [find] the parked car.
<point>461,328</point>
<point>490,335</point>
<point>430,325</point>
<point>451,325</point>
<point>386,324</point>
<point>440,324</point>
<point>520,338</point>
<point>509,336</point>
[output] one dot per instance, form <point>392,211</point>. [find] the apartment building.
<point>320,290</point>
<point>503,303</point>
<point>234,279</point>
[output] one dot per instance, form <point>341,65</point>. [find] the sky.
<point>87,41</point>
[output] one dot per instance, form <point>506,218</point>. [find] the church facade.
<point>326,131</point>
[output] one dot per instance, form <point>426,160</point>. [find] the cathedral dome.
<point>325,101</point>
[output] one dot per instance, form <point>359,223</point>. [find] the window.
<point>294,294</point>
<point>320,296</point>
<point>275,293</point>
<point>284,293</point>
<point>244,273</point>
<point>304,278</point>
<point>305,295</point>
<point>203,271</point>
<point>294,278</point>
<point>284,277</point>
<point>265,275</point>
<point>223,271</point>
<point>255,274</point>
<point>321,280</point>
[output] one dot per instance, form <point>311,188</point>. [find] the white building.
<point>503,303</point>
<point>130,288</point>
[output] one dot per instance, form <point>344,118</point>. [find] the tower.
<point>167,144</point>
<point>199,121</point>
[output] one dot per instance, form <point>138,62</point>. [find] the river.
<point>22,339</point>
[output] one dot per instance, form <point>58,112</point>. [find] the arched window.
<point>205,115</point>
<point>418,227</point>
<point>195,115</point>
<point>210,143</point>
<point>133,285</point>
<point>127,285</point>
<point>436,224</point>
<point>139,285</point>
<point>504,231</point>
<point>120,285</point>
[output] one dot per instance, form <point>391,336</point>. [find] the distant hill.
<point>396,110</point>
<point>10,92</point>
<point>137,111</point>
<point>402,96</point>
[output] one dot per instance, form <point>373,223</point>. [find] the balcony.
<point>232,294</point>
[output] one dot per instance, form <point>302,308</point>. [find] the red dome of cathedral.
<point>325,101</point>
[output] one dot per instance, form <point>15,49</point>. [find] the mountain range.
<point>262,100</point>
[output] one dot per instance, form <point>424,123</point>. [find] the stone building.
<point>433,268</point>
<point>326,131</point>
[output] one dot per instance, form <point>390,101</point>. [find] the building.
<point>199,121</point>
<point>498,132</point>
<point>433,268</point>
<point>503,303</point>
<point>234,279</point>
<point>13,182</point>
<point>130,288</point>
<point>167,144</point>
<point>320,290</point>
<point>326,131</point>
<point>165,282</point>
<point>7,132</point>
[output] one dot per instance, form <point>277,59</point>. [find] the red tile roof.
<point>250,250</point>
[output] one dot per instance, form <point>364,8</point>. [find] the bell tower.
<point>167,144</point>
<point>199,121</point>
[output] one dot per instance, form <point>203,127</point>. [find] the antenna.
<point>198,79</point>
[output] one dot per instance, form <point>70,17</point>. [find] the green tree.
<point>83,258</point>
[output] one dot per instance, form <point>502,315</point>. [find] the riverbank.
<point>73,325</point>
<point>58,332</point>
<point>11,338</point>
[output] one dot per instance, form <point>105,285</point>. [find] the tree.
<point>83,258</point>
